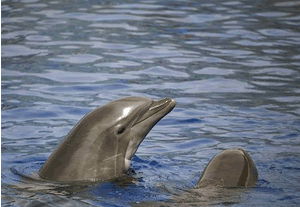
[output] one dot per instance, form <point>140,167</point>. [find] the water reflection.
<point>19,50</point>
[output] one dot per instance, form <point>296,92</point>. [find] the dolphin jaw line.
<point>127,164</point>
<point>154,108</point>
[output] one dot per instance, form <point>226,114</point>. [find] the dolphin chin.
<point>102,144</point>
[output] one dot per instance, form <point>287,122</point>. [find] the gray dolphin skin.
<point>230,168</point>
<point>102,144</point>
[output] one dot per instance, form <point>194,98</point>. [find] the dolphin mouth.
<point>159,108</point>
<point>150,114</point>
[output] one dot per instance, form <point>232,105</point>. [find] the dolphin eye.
<point>121,130</point>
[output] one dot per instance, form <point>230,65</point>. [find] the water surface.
<point>232,66</point>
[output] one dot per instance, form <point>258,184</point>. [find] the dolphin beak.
<point>157,110</point>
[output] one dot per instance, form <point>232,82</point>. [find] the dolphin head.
<point>143,118</point>
<point>231,168</point>
<point>133,119</point>
<point>103,143</point>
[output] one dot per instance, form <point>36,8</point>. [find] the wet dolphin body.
<point>230,168</point>
<point>102,144</point>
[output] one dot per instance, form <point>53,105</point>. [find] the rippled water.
<point>232,66</point>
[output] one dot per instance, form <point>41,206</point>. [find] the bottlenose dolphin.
<point>103,142</point>
<point>230,168</point>
<point>227,170</point>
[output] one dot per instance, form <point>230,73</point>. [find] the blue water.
<point>232,66</point>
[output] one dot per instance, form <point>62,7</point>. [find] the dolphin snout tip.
<point>171,101</point>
